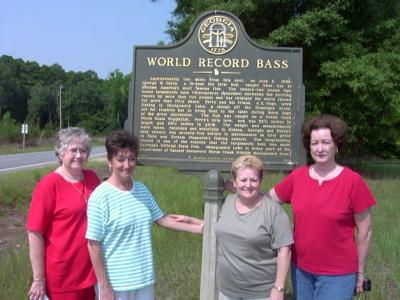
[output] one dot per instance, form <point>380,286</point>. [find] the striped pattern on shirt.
<point>121,221</point>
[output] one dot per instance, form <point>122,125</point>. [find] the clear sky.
<point>82,35</point>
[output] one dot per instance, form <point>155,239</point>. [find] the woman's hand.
<point>189,220</point>
<point>186,219</point>
<point>360,282</point>
<point>38,289</point>
<point>363,242</point>
<point>106,293</point>
<point>182,223</point>
<point>36,255</point>
<point>180,218</point>
<point>276,295</point>
<point>96,256</point>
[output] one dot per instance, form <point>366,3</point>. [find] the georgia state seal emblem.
<point>217,35</point>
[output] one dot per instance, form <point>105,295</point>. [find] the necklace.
<point>82,193</point>
<point>73,181</point>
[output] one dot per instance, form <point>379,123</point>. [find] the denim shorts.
<point>309,286</point>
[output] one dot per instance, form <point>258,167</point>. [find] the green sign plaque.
<point>217,95</point>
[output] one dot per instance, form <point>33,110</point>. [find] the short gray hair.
<point>66,135</point>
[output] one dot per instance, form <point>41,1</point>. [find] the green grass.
<point>178,255</point>
<point>16,188</point>
<point>15,149</point>
<point>15,274</point>
<point>376,168</point>
<point>383,265</point>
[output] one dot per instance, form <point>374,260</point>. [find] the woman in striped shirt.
<point>120,216</point>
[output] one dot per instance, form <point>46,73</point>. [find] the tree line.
<point>351,58</point>
<point>351,62</point>
<point>30,93</point>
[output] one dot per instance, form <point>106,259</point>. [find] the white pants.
<point>146,293</point>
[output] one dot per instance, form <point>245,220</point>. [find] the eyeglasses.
<point>75,151</point>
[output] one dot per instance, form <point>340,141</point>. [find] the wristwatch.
<point>280,289</point>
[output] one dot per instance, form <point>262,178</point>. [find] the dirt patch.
<point>12,223</point>
<point>12,230</point>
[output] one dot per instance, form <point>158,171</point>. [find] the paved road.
<point>13,162</point>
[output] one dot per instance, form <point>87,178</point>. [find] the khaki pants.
<point>224,297</point>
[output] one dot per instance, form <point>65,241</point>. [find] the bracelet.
<point>279,289</point>
<point>40,279</point>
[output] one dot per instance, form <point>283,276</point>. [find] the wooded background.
<point>351,69</point>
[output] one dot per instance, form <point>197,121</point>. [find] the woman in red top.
<point>57,223</point>
<point>329,202</point>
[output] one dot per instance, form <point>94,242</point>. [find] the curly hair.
<point>249,161</point>
<point>336,125</point>
<point>66,135</point>
<point>121,139</point>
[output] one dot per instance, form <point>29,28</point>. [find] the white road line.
<point>27,166</point>
<point>44,164</point>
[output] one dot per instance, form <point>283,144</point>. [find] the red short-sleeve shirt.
<point>58,211</point>
<point>324,225</point>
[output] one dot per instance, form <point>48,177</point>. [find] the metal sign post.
<point>24,131</point>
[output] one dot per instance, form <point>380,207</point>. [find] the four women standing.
<point>329,203</point>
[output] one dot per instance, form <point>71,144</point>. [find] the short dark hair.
<point>337,126</point>
<point>121,139</point>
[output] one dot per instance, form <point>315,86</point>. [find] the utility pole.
<point>60,106</point>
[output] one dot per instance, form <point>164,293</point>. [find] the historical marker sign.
<point>217,95</point>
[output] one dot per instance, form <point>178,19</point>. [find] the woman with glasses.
<point>57,223</point>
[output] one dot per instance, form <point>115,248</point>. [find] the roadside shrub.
<point>9,129</point>
<point>94,125</point>
<point>10,132</point>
